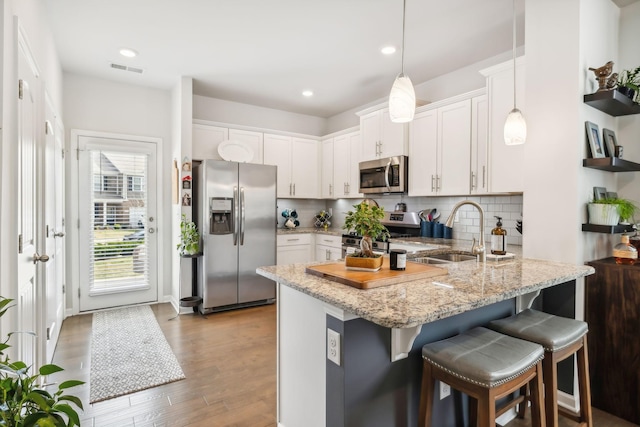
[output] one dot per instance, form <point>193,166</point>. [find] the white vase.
<point>601,214</point>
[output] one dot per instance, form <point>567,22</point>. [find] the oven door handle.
<point>386,175</point>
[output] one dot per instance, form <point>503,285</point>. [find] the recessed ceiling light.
<point>129,53</point>
<point>388,50</point>
<point>307,93</point>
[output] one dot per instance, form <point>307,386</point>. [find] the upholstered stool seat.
<point>485,365</point>
<point>561,337</point>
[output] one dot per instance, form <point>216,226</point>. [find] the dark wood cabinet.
<point>612,310</point>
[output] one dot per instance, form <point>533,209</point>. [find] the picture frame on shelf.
<point>612,195</point>
<point>599,193</point>
<point>593,136</point>
<point>610,141</point>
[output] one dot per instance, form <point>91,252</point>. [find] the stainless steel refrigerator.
<point>235,210</point>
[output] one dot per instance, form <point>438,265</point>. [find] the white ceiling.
<point>266,52</point>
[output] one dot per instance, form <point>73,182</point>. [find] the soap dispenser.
<point>499,239</point>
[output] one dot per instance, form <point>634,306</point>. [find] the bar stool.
<point>560,337</point>
<point>487,366</point>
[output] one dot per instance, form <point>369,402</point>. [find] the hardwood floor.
<point>600,419</point>
<point>229,360</point>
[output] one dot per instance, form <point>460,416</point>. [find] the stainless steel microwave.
<point>388,175</point>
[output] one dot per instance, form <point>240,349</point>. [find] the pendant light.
<point>515,127</point>
<point>402,98</point>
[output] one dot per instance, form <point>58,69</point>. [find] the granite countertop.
<point>310,230</point>
<point>467,286</point>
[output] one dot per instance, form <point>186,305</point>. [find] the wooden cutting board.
<point>368,280</point>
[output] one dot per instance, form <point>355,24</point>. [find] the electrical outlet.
<point>445,390</point>
<point>333,346</point>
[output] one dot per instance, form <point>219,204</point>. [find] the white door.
<point>29,234</point>
<point>118,251</point>
<point>53,169</point>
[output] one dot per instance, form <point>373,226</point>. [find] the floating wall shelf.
<point>612,102</point>
<point>611,164</point>
<point>609,229</point>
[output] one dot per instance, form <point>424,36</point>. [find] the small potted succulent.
<point>365,220</point>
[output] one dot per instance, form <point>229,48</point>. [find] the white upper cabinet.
<point>326,176</point>
<point>454,139</point>
<point>251,139</point>
<point>479,137</point>
<point>346,156</point>
<point>381,137</point>
<point>206,140</point>
<point>423,152</point>
<point>297,160</point>
<point>440,151</point>
<point>505,162</point>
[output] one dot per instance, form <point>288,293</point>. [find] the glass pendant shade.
<point>402,100</point>
<point>515,128</point>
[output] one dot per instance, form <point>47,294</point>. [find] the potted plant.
<point>609,211</point>
<point>24,402</point>
<point>189,237</point>
<point>629,83</point>
<point>365,220</point>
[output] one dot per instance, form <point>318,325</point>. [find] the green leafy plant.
<point>625,208</point>
<point>23,402</point>
<point>189,237</point>
<point>365,220</point>
<point>630,79</point>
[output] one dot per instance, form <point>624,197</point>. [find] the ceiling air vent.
<point>126,68</point>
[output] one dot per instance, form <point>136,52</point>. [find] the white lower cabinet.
<point>328,248</point>
<point>293,248</point>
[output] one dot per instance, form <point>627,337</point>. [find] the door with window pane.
<point>118,244</point>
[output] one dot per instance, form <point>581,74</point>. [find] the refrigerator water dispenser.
<point>220,215</point>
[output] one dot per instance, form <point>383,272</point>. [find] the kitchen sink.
<point>453,257</point>
<point>444,258</point>
<point>427,260</point>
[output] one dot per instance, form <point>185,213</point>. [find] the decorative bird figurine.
<point>602,73</point>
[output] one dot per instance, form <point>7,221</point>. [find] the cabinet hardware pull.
<point>294,188</point>
<point>432,186</point>
<point>292,240</point>
<point>290,189</point>
<point>330,189</point>
<point>483,170</point>
<point>473,180</point>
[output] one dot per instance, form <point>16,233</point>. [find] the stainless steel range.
<point>399,224</point>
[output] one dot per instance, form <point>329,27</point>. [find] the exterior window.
<point>135,183</point>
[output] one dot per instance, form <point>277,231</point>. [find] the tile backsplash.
<point>509,207</point>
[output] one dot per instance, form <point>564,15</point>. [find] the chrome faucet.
<point>476,248</point>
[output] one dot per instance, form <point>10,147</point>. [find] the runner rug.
<point>129,353</point>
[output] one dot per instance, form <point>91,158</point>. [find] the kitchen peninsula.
<point>381,331</point>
